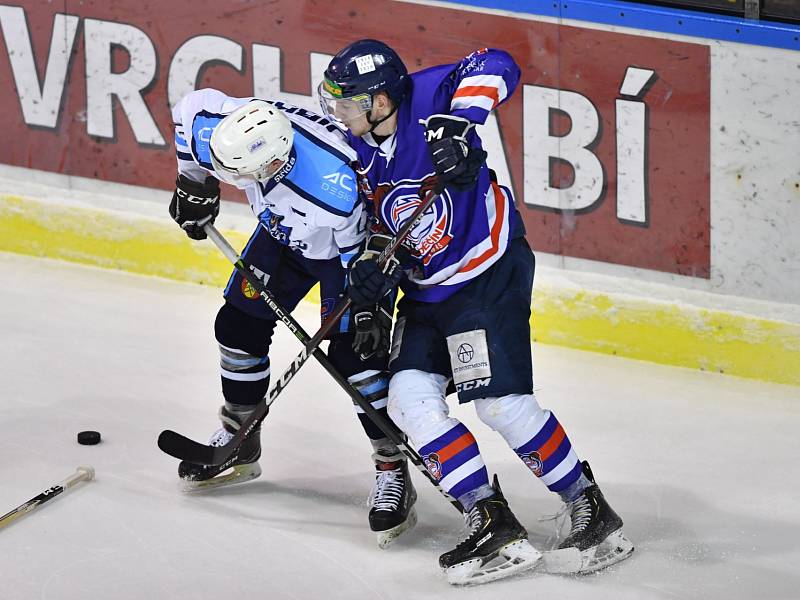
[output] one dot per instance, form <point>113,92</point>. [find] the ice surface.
<point>701,466</point>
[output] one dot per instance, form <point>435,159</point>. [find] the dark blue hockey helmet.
<point>359,71</point>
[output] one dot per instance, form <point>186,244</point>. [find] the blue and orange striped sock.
<point>455,462</point>
<point>549,455</point>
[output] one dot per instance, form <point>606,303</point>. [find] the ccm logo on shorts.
<point>469,359</point>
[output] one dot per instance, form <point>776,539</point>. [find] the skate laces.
<point>473,521</point>
<point>220,438</point>
<point>388,490</point>
<point>580,513</point>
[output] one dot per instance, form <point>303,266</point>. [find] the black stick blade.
<point>186,449</point>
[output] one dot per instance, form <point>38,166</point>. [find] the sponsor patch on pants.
<point>469,358</point>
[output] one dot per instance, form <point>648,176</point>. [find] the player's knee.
<point>504,412</point>
<point>417,402</point>
<point>236,329</point>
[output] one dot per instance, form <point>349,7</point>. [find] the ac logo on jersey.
<point>340,179</point>
<point>433,231</point>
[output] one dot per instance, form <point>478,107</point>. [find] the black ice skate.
<point>595,539</point>
<point>392,502</point>
<point>497,545</point>
<point>245,467</point>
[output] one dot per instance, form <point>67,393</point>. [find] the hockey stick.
<point>81,474</point>
<point>184,448</point>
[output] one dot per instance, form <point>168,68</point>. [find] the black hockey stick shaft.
<point>81,474</point>
<point>186,449</point>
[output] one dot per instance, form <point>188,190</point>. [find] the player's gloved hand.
<point>195,204</point>
<point>372,328</point>
<point>456,163</point>
<point>367,282</point>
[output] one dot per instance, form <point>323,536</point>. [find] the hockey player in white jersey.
<point>295,168</point>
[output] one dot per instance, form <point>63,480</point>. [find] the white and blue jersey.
<point>311,205</point>
<point>464,233</point>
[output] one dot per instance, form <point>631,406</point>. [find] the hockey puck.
<point>89,438</point>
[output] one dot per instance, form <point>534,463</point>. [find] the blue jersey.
<point>463,233</point>
<point>311,204</point>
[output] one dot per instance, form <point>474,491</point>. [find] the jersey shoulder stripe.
<point>322,177</point>
<point>316,140</point>
<point>314,200</point>
<point>203,125</point>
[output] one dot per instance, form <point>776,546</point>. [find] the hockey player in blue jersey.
<point>464,318</point>
<point>294,167</point>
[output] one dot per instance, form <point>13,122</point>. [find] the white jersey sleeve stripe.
<point>493,81</point>
<point>482,91</point>
<point>484,102</point>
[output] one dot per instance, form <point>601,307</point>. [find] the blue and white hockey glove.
<point>367,282</point>
<point>456,163</point>
<point>195,204</point>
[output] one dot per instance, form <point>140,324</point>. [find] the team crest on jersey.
<point>433,465</point>
<point>534,462</point>
<point>433,232</point>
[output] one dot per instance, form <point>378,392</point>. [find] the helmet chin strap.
<point>374,124</point>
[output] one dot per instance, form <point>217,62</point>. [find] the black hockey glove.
<point>372,328</point>
<point>195,204</point>
<point>456,163</point>
<point>367,282</point>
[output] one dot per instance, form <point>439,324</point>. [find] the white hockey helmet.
<point>247,141</point>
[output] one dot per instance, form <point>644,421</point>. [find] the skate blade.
<point>571,561</point>
<point>386,538</point>
<point>511,559</point>
<point>235,475</point>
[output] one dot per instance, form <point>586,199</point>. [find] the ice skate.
<point>196,477</point>
<point>496,547</point>
<point>392,502</point>
<point>595,540</point>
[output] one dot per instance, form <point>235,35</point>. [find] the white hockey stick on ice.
<point>81,474</point>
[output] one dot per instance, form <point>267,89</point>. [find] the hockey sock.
<point>374,386</point>
<point>455,462</point>
<point>243,355</point>
<point>245,378</point>
<point>549,455</point>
